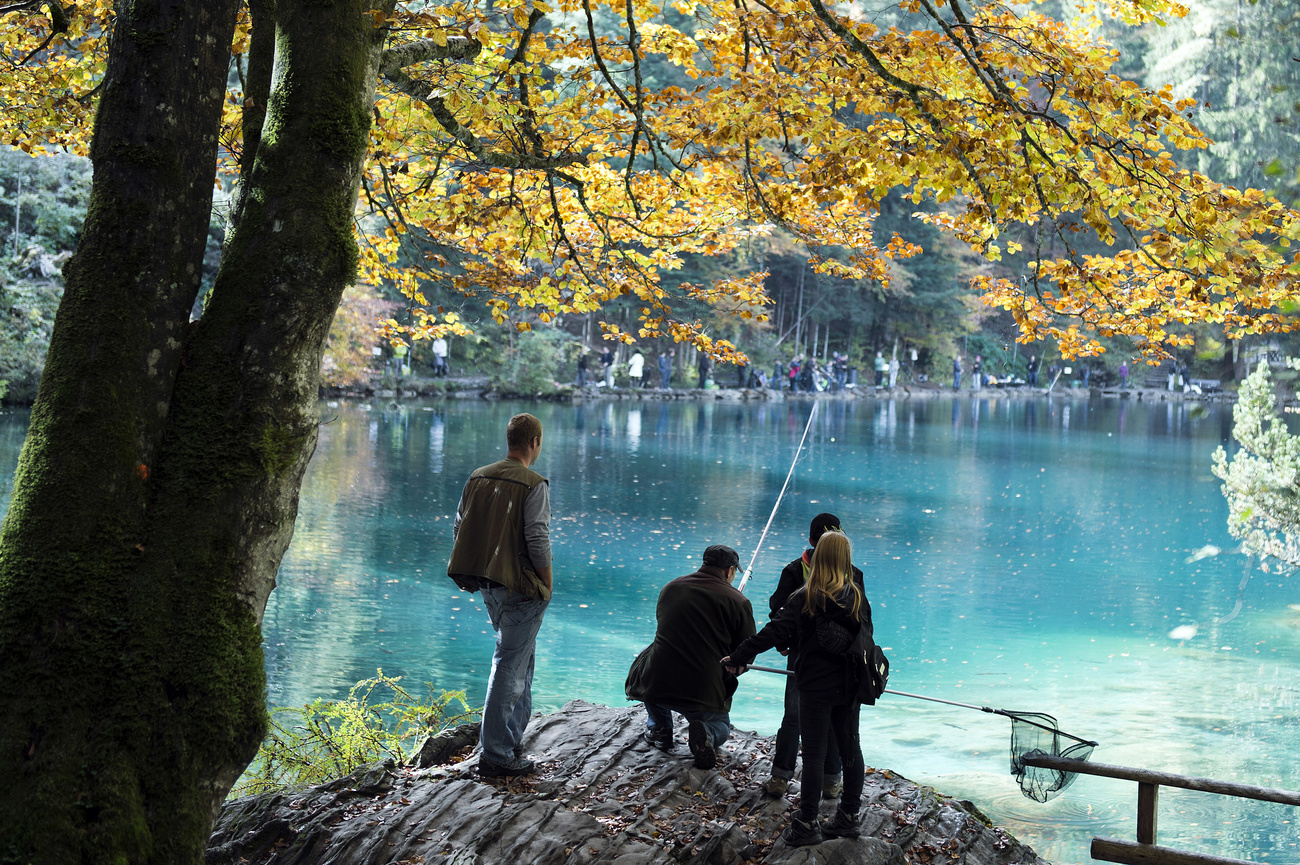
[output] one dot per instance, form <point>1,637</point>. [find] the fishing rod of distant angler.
<point>749,570</point>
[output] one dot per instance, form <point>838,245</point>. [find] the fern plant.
<point>328,739</point>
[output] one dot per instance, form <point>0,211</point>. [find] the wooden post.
<point>1148,798</point>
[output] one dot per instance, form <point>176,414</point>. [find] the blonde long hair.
<point>830,572</point>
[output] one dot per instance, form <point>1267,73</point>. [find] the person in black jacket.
<point>793,577</point>
<point>820,622</point>
<point>700,617</point>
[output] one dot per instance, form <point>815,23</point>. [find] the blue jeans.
<point>717,723</point>
<point>516,618</point>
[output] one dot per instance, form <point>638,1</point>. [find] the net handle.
<point>1015,717</point>
<point>1005,713</point>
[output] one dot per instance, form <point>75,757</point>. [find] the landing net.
<point>1036,734</point>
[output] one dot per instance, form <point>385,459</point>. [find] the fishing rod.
<point>749,570</point>
<point>1015,716</point>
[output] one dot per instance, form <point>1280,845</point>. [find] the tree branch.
<point>467,139</point>
<point>59,22</point>
<point>261,59</point>
<point>457,48</point>
<point>408,54</point>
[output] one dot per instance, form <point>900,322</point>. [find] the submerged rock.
<point>602,795</point>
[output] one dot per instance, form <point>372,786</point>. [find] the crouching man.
<point>701,617</point>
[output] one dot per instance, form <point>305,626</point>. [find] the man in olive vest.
<point>501,546</point>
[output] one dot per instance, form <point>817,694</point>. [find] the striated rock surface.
<point>602,795</point>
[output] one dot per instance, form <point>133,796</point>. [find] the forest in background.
<point>1234,57</point>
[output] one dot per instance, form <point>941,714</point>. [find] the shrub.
<point>1260,481</point>
<point>532,362</point>
<point>328,739</point>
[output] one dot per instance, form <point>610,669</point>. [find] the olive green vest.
<point>490,542</point>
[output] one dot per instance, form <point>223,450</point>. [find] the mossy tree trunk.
<point>158,486</point>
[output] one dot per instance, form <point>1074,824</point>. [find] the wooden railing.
<point>1145,851</point>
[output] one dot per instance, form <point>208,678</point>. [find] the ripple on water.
<point>1094,814</point>
<point>916,742</point>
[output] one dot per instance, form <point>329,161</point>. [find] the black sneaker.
<point>661,738</point>
<point>698,740</point>
<point>515,767</point>
<point>842,825</point>
<point>801,834</point>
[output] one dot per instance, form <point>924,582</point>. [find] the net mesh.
<point>1037,734</point>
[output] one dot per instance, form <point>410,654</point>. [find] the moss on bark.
<point>155,498</point>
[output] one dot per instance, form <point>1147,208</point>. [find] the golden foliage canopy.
<point>531,153</point>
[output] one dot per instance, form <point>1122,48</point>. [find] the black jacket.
<point>700,617</point>
<point>816,670</point>
<point>792,577</point>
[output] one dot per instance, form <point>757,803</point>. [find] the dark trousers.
<point>787,743</point>
<point>820,721</point>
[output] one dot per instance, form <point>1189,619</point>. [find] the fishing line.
<point>749,570</point>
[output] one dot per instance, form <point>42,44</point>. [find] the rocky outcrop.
<point>603,795</point>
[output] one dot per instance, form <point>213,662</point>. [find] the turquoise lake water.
<point>1018,554</point>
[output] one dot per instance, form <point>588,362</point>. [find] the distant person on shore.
<point>793,374</point>
<point>1087,374</point>
<point>819,624</point>
<point>956,372</point>
<point>440,367</point>
<point>607,366</point>
<point>665,370</point>
<point>582,367</point>
<point>893,370</point>
<point>778,375</point>
<point>793,577</point>
<point>636,368</point>
<point>741,371</point>
<point>700,616</point>
<point>501,546</point>
<point>1123,374</point>
<point>882,367</point>
<point>704,365</point>
<point>977,373</point>
<point>1184,377</point>
<point>841,366</point>
<point>1031,369</point>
